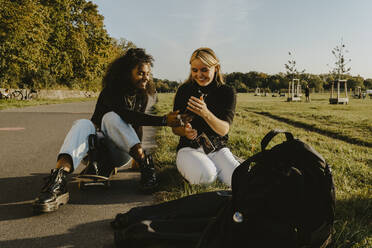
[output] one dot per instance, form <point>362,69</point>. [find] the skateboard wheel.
<point>81,185</point>
<point>115,171</point>
<point>107,184</point>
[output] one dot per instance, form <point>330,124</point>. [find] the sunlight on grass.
<point>341,133</point>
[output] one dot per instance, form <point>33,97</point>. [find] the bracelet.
<point>164,120</point>
<point>180,120</point>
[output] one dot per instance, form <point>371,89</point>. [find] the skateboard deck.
<point>101,162</point>
<point>86,180</point>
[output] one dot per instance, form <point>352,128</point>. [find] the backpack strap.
<point>268,137</point>
<point>242,170</point>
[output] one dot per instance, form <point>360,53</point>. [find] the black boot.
<point>54,193</point>
<point>148,181</point>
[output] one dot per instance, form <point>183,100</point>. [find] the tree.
<point>123,45</point>
<point>354,82</point>
<point>23,38</point>
<point>79,43</point>
<point>55,43</point>
<point>291,68</point>
<point>340,66</point>
<point>165,85</point>
<point>315,81</point>
<point>280,81</point>
<point>368,83</point>
<point>240,87</point>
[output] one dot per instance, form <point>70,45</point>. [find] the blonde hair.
<point>208,57</point>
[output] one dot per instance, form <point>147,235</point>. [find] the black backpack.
<point>286,199</point>
<point>282,197</point>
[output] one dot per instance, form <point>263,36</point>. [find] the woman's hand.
<point>175,119</point>
<point>198,106</point>
<point>190,133</point>
<point>186,131</point>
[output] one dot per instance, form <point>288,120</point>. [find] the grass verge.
<point>341,133</point>
<point>6,104</point>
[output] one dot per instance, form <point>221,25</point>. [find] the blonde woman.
<point>202,153</point>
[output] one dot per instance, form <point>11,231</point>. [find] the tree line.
<point>248,82</point>
<point>54,44</point>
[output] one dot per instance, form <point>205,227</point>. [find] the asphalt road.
<point>30,139</point>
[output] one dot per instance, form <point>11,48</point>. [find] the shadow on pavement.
<point>16,200</point>
<point>84,235</point>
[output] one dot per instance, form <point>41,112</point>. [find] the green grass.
<point>6,104</point>
<point>341,133</point>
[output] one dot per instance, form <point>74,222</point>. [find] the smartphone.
<point>205,143</point>
<point>198,94</point>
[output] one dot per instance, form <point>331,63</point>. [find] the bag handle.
<point>268,137</point>
<point>244,166</point>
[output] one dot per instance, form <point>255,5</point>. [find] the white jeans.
<point>197,167</point>
<point>121,137</point>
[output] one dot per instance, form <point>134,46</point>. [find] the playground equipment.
<point>257,92</point>
<point>264,93</point>
<point>369,93</point>
<point>294,91</point>
<point>338,100</point>
<point>358,93</point>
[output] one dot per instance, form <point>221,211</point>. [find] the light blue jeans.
<point>120,135</point>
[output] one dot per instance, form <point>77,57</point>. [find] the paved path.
<point>30,139</point>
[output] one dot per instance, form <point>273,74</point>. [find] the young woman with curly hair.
<point>119,115</point>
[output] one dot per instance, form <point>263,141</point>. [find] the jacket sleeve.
<point>110,102</point>
<point>179,99</point>
<point>138,118</point>
<point>227,111</point>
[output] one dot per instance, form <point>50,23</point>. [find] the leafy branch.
<point>340,66</point>
<point>291,68</point>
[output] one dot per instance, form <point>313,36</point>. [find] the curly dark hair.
<point>118,74</point>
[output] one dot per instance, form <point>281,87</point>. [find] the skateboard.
<point>86,180</point>
<point>97,171</point>
<point>90,175</point>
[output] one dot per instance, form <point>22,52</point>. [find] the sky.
<point>246,35</point>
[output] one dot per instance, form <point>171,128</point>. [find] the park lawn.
<point>12,103</point>
<point>341,133</point>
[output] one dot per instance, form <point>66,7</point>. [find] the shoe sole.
<point>52,206</point>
